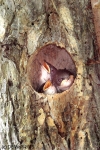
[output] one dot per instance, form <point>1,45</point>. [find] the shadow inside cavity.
<point>53,54</point>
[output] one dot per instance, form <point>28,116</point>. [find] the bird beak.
<point>44,74</point>
<point>47,85</point>
<point>49,89</point>
<point>46,67</point>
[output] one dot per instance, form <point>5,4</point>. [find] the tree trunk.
<point>32,120</point>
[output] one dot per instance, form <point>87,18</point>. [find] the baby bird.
<point>48,88</point>
<point>44,75</point>
<point>47,72</point>
<point>62,79</point>
<point>65,84</point>
<point>54,80</point>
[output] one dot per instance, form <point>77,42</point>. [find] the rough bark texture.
<point>28,119</point>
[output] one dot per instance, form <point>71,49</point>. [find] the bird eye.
<point>60,80</point>
<point>51,70</point>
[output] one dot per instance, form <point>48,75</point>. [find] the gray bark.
<point>65,121</point>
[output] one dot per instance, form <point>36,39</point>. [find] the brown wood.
<point>32,120</point>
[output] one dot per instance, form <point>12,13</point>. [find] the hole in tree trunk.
<point>51,65</point>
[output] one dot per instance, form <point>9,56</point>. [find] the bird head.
<point>65,84</point>
<point>52,69</point>
<point>61,75</point>
<point>49,88</point>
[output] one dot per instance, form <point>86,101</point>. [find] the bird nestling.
<point>44,75</point>
<point>62,80</point>
<point>65,84</point>
<point>48,88</point>
<point>55,80</point>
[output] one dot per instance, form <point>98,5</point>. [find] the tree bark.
<point>32,120</point>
